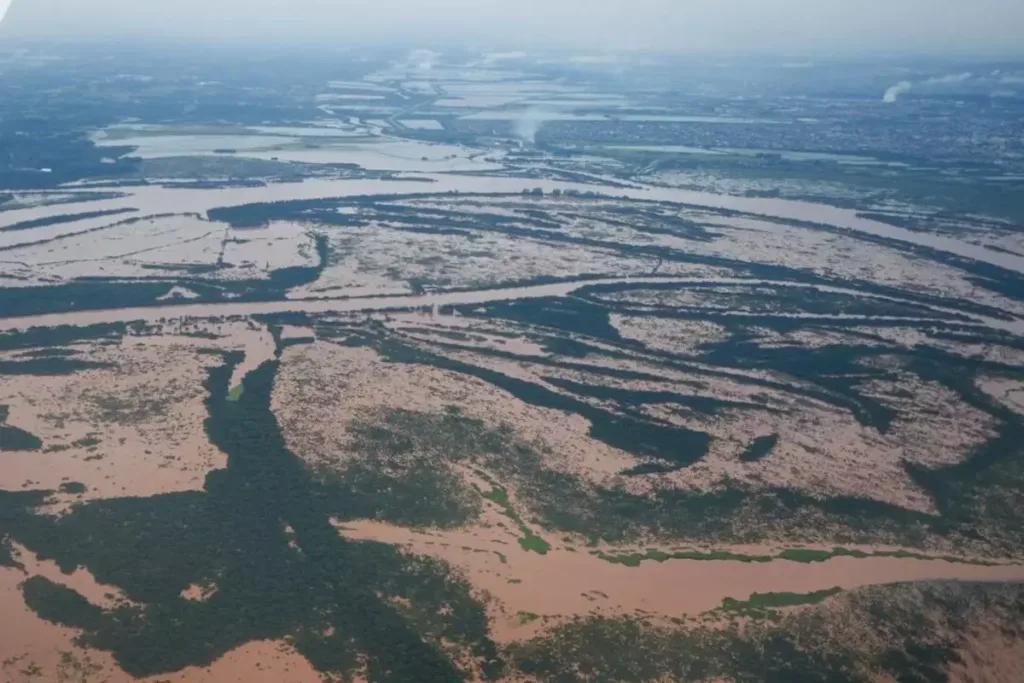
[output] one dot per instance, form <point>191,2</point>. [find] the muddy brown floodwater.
<point>259,347</point>
<point>133,428</point>
<point>570,581</point>
<point>28,643</point>
<point>381,303</point>
<point>386,303</point>
<point>167,200</point>
<point>565,582</point>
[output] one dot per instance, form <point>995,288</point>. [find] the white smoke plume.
<point>529,124</point>
<point>893,92</point>
<point>4,6</point>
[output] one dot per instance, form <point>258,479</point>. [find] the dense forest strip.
<point>62,218</point>
<point>385,303</point>
<point>261,536</point>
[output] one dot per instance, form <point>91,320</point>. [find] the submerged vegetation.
<point>792,555</point>
<point>335,598</point>
<point>737,514</point>
<point>892,636</point>
<point>233,535</point>
<point>529,541</point>
<point>15,439</point>
<point>759,602</point>
<point>718,365</point>
<point>236,392</point>
<point>363,607</point>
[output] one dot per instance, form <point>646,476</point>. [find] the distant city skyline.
<point>784,26</point>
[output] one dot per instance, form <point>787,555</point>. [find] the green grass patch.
<point>236,392</point>
<point>529,541</point>
<point>762,601</point>
<point>634,559</point>
<point>527,618</point>
<point>500,496</point>
<point>534,543</point>
<point>804,555</point>
<point>807,556</point>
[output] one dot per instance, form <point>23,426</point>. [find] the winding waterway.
<point>157,200</point>
<point>439,299</point>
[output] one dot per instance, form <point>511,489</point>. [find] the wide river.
<point>157,200</point>
<point>161,200</point>
<point>438,299</point>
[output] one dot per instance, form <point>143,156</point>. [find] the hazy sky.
<point>791,26</point>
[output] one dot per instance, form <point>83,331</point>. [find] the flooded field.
<point>537,580</point>
<point>567,582</point>
<point>129,426</point>
<point>158,200</point>
<point>365,304</point>
<point>34,648</point>
<point>488,367</point>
